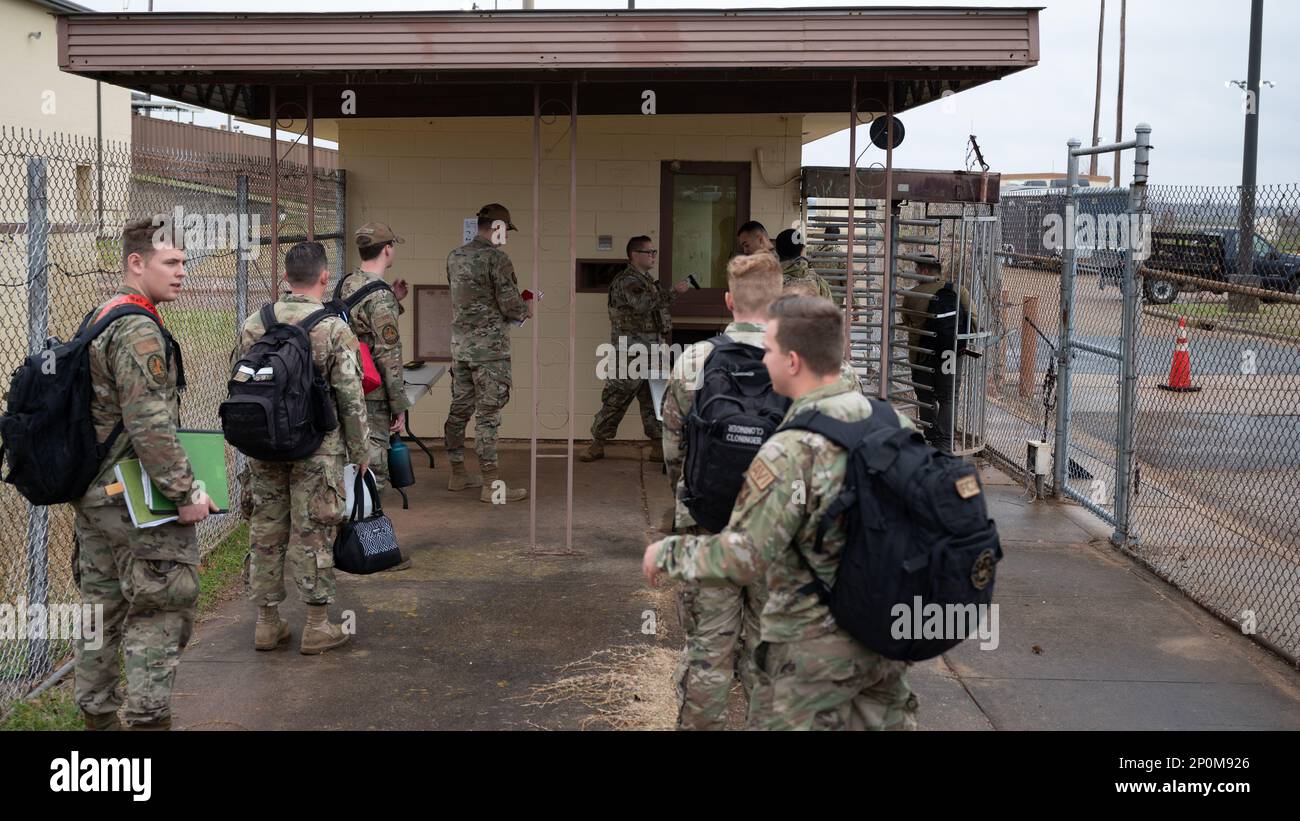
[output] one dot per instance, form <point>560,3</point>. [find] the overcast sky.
<point>1179,54</point>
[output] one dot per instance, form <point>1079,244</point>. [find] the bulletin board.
<point>432,323</point>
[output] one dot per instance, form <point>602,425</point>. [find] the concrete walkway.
<point>460,641</point>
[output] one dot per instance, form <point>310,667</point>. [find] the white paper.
<point>471,228</point>
<point>519,323</point>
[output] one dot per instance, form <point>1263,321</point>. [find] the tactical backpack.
<point>917,534</point>
<point>47,435</point>
<point>370,378</point>
<point>735,412</point>
<point>944,305</point>
<point>279,408</point>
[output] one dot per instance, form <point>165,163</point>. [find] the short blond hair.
<point>754,281</point>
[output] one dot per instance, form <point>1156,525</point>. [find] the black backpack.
<point>279,408</point>
<point>48,436</point>
<point>735,412</point>
<point>916,525</point>
<point>944,306</point>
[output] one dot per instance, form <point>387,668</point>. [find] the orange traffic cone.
<point>1180,370</point>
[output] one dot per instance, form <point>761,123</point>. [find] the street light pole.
<point>1249,158</point>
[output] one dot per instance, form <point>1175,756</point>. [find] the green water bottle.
<point>399,463</point>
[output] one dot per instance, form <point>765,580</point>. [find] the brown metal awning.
<point>443,63</point>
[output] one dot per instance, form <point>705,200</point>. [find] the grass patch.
<point>191,323</point>
<point>219,573</point>
<point>56,708</point>
<point>1277,318</point>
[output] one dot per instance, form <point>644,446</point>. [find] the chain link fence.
<point>1217,438</point>
<point>63,201</point>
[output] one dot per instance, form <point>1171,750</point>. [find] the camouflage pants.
<point>615,398</point>
<point>297,507</point>
<point>721,631</point>
<point>830,683</point>
<point>147,581</point>
<point>479,389</point>
<point>379,419</point>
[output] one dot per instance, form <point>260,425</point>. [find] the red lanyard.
<point>130,299</point>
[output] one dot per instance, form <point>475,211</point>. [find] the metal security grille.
<point>963,238</point>
<point>63,201</point>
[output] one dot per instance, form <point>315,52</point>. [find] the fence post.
<point>1028,345</point>
<point>242,218</point>
<point>1060,456</point>
<point>38,326</point>
<point>341,217</point>
<point>1126,424</point>
<point>1000,342</point>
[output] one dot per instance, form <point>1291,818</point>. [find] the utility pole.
<point>1119,100</point>
<point>1096,105</point>
<point>1249,157</point>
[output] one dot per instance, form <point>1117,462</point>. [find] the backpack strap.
<point>128,308</point>
<point>315,317</point>
<point>91,330</point>
<point>846,435</point>
<point>267,315</point>
<point>722,342</point>
<point>354,299</point>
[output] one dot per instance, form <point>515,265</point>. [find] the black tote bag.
<point>368,545</point>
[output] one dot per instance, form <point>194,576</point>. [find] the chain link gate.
<point>1084,429</point>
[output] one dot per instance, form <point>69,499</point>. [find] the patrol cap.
<point>497,211</point>
<point>375,233</point>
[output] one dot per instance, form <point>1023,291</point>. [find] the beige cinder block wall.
<point>40,97</point>
<point>424,177</point>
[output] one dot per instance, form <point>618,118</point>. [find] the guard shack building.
<point>591,127</point>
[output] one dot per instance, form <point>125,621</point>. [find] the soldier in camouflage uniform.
<point>374,321</point>
<point>298,506</point>
<point>812,674</point>
<point>484,298</point>
<point>752,237</point>
<point>147,579</point>
<point>638,317</point>
<point>795,267</point>
<point>717,617</point>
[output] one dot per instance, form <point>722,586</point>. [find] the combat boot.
<point>512,494</point>
<point>656,451</point>
<point>161,725</point>
<point>101,721</point>
<point>594,451</point>
<point>320,634</point>
<point>462,479</point>
<point>270,631</point>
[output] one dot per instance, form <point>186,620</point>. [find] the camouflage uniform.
<point>812,675</point>
<point>638,315</point>
<point>297,506</point>
<point>374,321</point>
<point>795,270</point>
<point>146,579</point>
<point>716,618</point>
<point>484,297</point>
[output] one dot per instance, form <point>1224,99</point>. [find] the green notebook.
<point>129,474</point>
<point>206,450</point>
